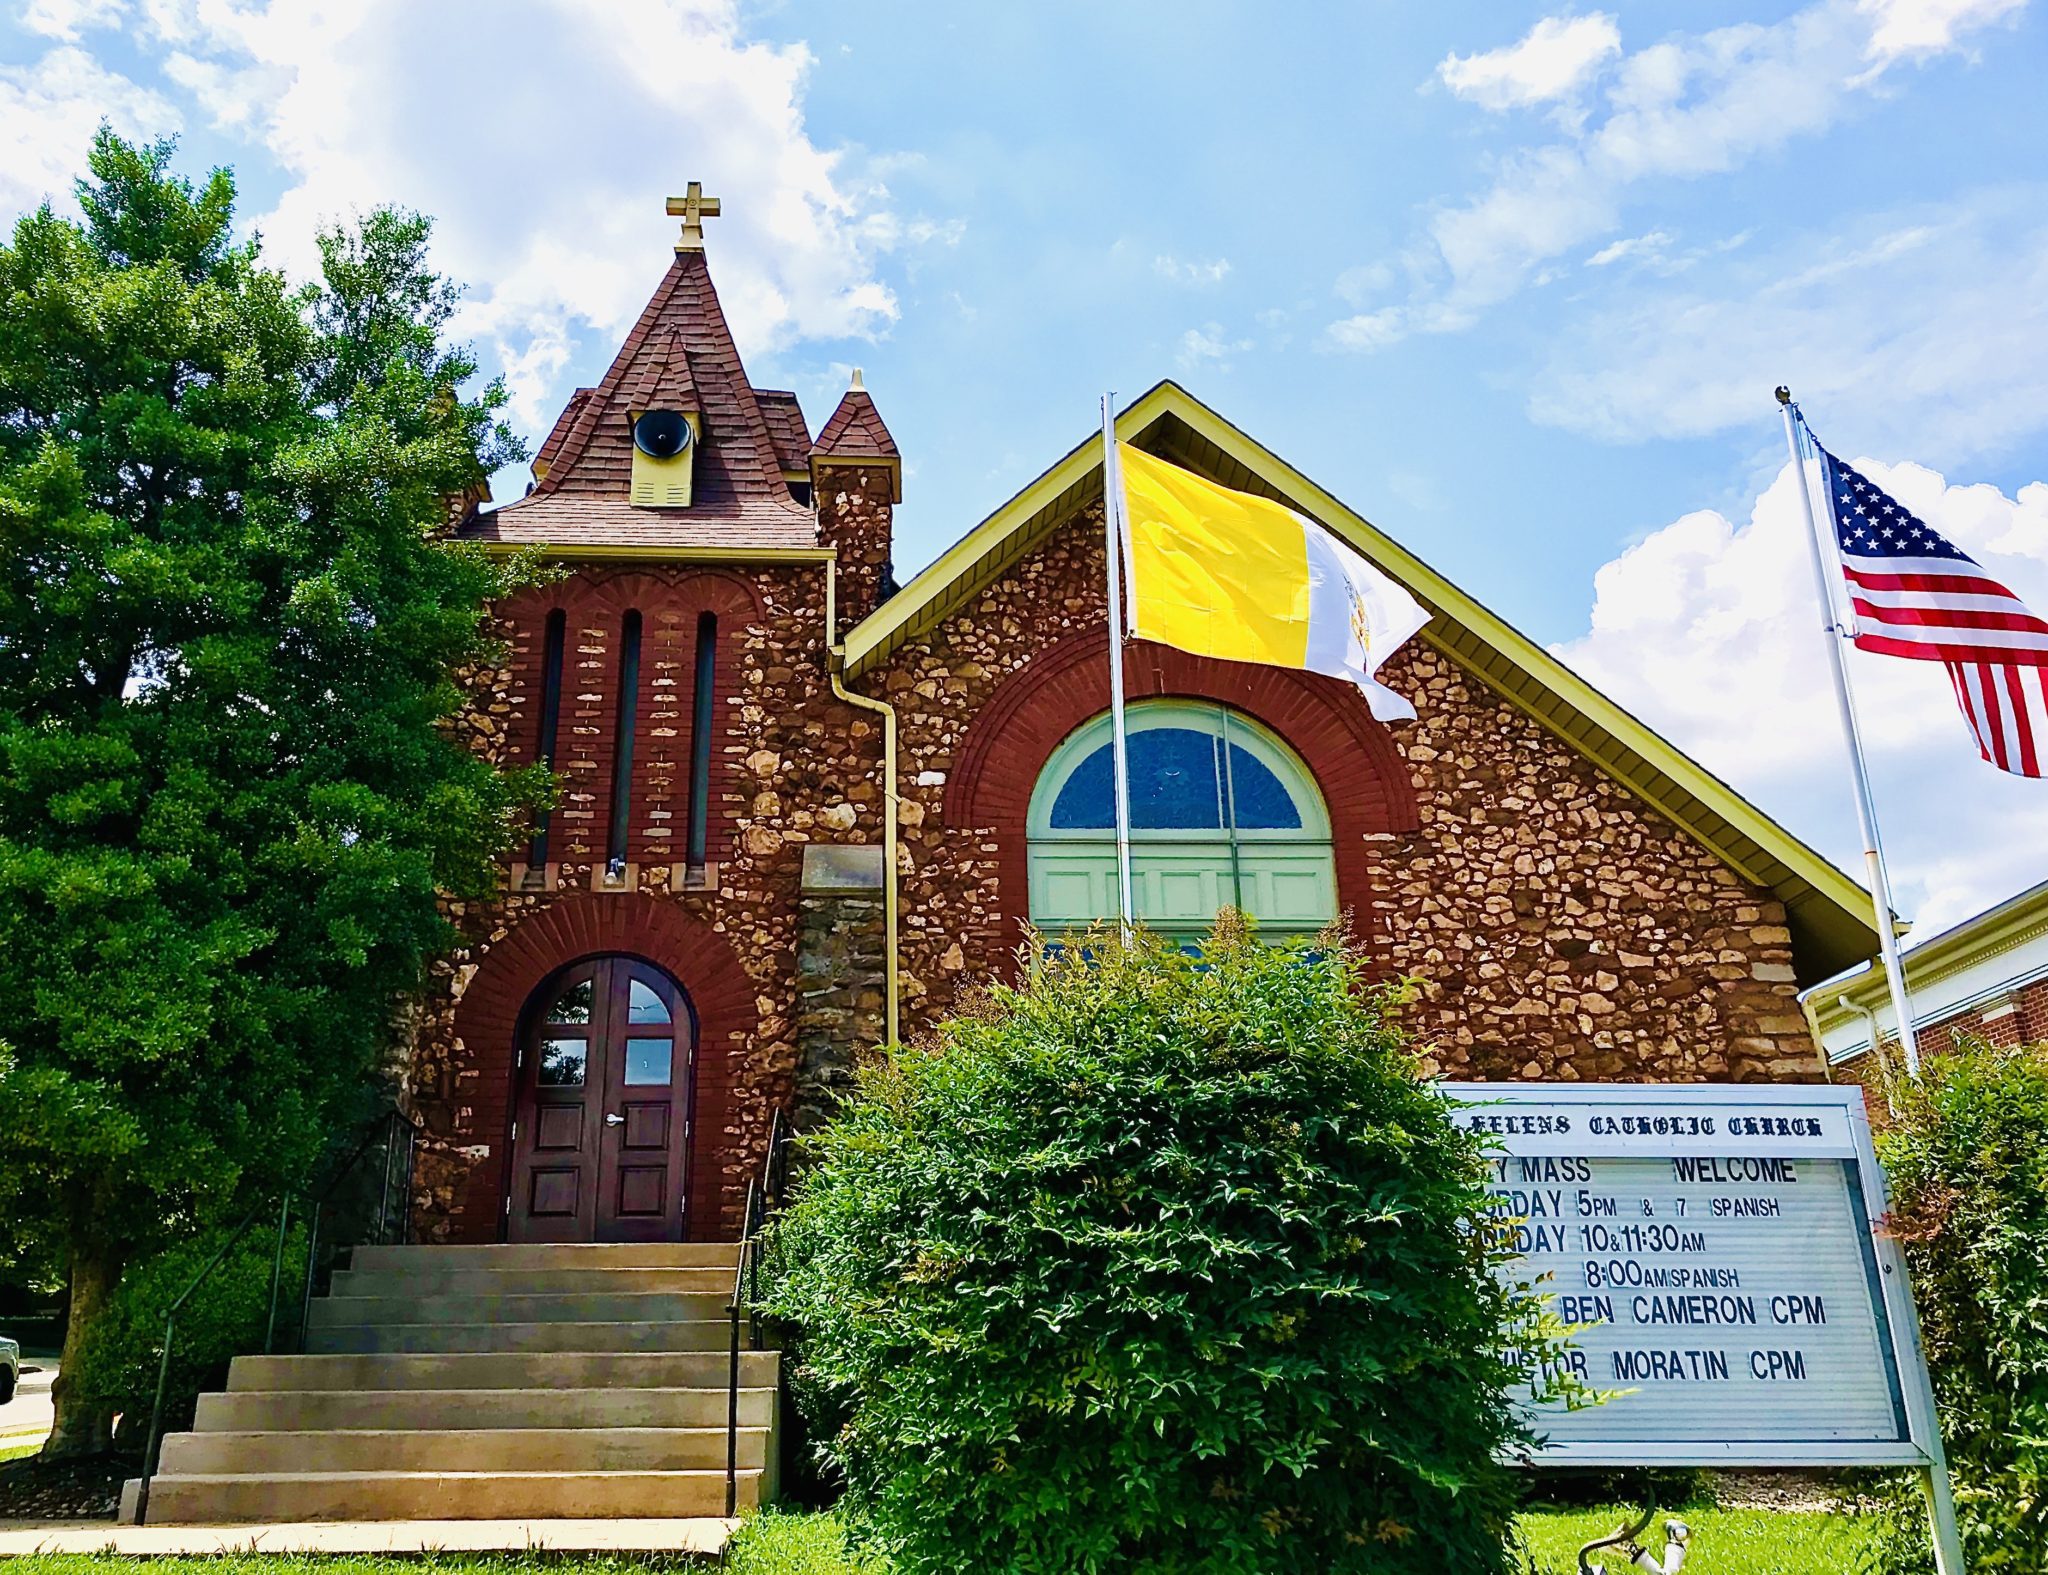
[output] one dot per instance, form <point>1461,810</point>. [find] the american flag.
<point>1917,594</point>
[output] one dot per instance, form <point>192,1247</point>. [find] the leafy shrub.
<point>223,1319</point>
<point>1159,1264</point>
<point>1967,1157</point>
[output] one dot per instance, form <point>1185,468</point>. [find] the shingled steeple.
<point>679,356</point>
<point>856,481</point>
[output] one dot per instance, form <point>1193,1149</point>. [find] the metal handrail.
<point>763,1194</point>
<point>385,1125</point>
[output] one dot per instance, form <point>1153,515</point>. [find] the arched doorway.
<point>601,1102</point>
<point>1222,814</point>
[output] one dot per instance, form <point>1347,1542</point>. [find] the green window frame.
<point>1265,848</point>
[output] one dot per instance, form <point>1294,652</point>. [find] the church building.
<point>804,808</point>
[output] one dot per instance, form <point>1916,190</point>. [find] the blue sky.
<point>1514,280</point>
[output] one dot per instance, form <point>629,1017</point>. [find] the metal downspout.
<point>1877,1049</point>
<point>835,663</point>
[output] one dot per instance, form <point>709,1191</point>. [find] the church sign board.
<point>1717,1246</point>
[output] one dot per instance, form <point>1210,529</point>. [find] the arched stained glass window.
<point>1222,814</point>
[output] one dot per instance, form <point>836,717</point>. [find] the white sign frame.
<point>1844,1134</point>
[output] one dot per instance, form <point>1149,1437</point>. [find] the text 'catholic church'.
<point>802,808</point>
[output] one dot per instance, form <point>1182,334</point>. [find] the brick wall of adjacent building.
<point>2019,1017</point>
<point>1558,927</point>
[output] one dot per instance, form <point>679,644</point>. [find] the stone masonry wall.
<point>854,515</point>
<point>1557,925</point>
<point>791,765</point>
<point>842,976</point>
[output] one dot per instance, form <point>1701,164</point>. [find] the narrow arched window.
<point>1223,814</point>
<point>617,849</point>
<point>550,723</point>
<point>697,847</point>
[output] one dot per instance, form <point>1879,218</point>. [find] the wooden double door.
<point>601,1124</point>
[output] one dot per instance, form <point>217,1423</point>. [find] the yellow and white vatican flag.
<point>1242,578</point>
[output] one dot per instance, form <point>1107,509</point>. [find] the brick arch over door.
<point>1352,756</point>
<point>690,952</point>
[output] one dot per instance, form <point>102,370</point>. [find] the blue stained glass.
<point>1174,788</point>
<point>1263,804</point>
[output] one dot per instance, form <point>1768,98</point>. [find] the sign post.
<point>1719,1245</point>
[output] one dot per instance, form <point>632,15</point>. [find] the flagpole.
<point>1866,809</point>
<point>1112,525</point>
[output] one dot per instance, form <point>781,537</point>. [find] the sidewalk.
<point>705,1536</point>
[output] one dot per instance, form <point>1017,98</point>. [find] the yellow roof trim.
<point>1831,915</point>
<point>653,554</point>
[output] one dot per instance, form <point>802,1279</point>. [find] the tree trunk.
<point>82,1427</point>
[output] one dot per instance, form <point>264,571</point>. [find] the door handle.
<point>614,1121</point>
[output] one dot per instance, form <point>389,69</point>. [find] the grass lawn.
<point>20,1451</point>
<point>1725,1542</point>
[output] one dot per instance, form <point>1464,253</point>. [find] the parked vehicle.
<point>10,1368</point>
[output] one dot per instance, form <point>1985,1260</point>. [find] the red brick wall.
<point>1324,721</point>
<point>790,764</point>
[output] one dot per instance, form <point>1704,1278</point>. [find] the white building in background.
<point>1986,978</point>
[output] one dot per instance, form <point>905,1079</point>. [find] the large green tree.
<point>228,790</point>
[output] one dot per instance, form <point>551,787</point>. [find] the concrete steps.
<point>502,1370</point>
<point>441,1495</point>
<point>424,1338</point>
<point>480,1449</point>
<point>488,1383</point>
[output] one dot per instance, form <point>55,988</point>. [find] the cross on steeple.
<point>693,208</point>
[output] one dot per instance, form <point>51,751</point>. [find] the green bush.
<point>223,1319</point>
<point>1159,1264</point>
<point>1967,1158</point>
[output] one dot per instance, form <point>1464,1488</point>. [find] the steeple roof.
<point>680,355</point>
<point>856,434</point>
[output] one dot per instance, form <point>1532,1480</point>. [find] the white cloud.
<point>1648,245</point>
<point>1707,630</point>
<point>1927,27</point>
<point>1688,107</point>
<point>1208,346</point>
<point>1929,329</point>
<point>1551,61</point>
<point>67,19</point>
<point>543,136</point>
<point>53,108</point>
<point>1189,272</point>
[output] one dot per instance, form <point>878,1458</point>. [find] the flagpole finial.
<point>1784,394</point>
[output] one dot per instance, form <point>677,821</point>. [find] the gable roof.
<point>1829,914</point>
<point>679,355</point>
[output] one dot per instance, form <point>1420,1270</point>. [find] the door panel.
<point>601,1134</point>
